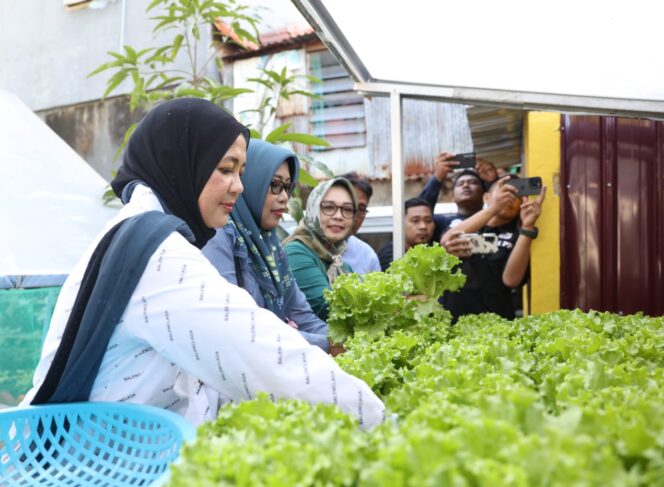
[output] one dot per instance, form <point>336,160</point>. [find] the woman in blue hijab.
<point>248,252</point>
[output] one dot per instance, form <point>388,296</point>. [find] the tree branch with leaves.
<point>157,73</point>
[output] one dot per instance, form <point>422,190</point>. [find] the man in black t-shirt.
<point>491,277</point>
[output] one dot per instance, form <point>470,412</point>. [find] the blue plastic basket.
<point>80,444</point>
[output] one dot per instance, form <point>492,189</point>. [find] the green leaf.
<point>166,81</point>
<point>206,5</point>
<point>226,92</point>
<point>190,92</point>
<point>295,205</point>
<point>245,35</point>
<point>272,74</point>
<point>254,134</point>
<point>272,136</point>
<point>153,4</point>
<point>266,83</point>
<point>109,196</point>
<point>164,20</point>
<point>431,270</point>
<point>305,139</point>
<point>304,93</point>
<point>104,67</point>
<point>132,55</point>
<point>321,166</point>
<point>138,92</point>
<point>143,52</point>
<point>262,429</point>
<point>219,63</point>
<point>307,179</point>
<point>151,79</point>
<point>127,134</point>
<point>177,43</point>
<point>115,80</point>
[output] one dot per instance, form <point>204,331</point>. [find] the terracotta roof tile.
<point>286,34</point>
<point>269,39</point>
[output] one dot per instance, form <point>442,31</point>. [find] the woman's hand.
<point>336,349</point>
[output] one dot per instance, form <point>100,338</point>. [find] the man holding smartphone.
<point>468,189</point>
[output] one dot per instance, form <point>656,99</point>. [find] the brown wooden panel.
<point>612,247</point>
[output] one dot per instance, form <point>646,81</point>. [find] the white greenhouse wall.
<point>47,52</point>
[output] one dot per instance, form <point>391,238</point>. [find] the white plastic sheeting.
<point>569,56</point>
<point>601,57</point>
<point>51,200</point>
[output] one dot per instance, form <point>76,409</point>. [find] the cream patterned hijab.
<point>309,231</point>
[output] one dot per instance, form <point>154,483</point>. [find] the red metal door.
<point>612,215</point>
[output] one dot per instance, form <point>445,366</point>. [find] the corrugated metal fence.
<point>612,231</point>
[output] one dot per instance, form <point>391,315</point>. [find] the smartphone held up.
<point>466,160</point>
<point>526,186</point>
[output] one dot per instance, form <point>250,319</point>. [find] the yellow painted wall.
<point>542,158</point>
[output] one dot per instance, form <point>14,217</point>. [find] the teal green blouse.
<point>311,275</point>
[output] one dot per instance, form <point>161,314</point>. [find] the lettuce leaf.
<point>430,269</point>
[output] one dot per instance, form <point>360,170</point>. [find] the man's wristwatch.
<point>532,234</point>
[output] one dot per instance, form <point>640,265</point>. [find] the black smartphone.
<point>466,160</point>
<point>526,186</point>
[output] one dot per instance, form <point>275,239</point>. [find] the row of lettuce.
<point>561,399</point>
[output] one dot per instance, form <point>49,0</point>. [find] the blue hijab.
<point>266,255</point>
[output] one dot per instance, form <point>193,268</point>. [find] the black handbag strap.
<point>238,271</point>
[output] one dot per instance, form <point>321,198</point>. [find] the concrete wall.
<point>47,52</point>
<point>95,130</point>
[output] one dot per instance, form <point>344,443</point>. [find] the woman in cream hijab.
<point>315,248</point>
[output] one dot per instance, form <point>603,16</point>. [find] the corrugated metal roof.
<point>428,129</point>
<point>497,134</point>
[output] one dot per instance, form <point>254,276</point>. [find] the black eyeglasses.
<point>277,186</point>
<point>328,208</point>
<point>362,209</point>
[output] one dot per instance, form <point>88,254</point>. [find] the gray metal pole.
<point>398,241</point>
